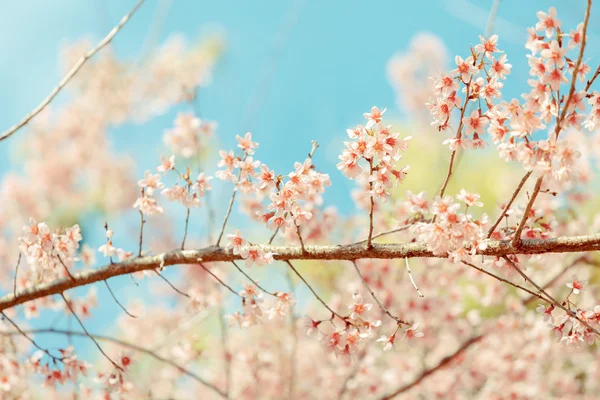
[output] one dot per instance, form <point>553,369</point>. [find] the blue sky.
<point>292,71</point>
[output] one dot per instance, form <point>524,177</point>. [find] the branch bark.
<point>565,244</point>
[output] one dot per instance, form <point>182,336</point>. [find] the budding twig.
<point>170,284</point>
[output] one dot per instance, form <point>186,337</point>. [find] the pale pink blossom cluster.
<point>189,135</point>
<point>410,72</point>
<point>453,231</point>
<point>49,252</point>
<point>255,307</point>
<point>252,253</point>
<point>380,149</point>
<point>292,202</point>
<point>480,75</point>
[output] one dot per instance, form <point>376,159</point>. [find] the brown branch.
<point>117,366</point>
<point>71,74</point>
<point>564,244</point>
<point>142,221</point>
<point>187,220</point>
<point>510,202</point>
<point>517,237</point>
<point>131,346</point>
<point>443,362</point>
<point>591,81</point>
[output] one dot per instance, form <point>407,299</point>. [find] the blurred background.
<point>288,71</point>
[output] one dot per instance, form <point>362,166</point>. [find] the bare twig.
<point>128,345</point>
<point>170,284</point>
<point>220,281</point>
<point>412,279</point>
<point>117,366</point>
<point>509,204</point>
<point>517,237</point>
<point>230,207</point>
<point>443,362</point>
<point>372,205</point>
<point>33,342</point>
<point>314,293</point>
<point>142,221</point>
<point>117,301</point>
<point>379,303</point>
<point>187,220</point>
<point>252,280</point>
<point>16,275</point>
<point>107,39</point>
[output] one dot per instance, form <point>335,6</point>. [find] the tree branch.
<point>71,74</point>
<point>564,244</point>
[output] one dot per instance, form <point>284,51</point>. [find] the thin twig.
<point>142,221</point>
<point>379,303</point>
<point>300,237</point>
<point>412,279</point>
<point>117,301</point>
<point>443,362</point>
<point>33,342</point>
<point>170,284</point>
<point>252,280</point>
<point>220,281</point>
<point>517,237</point>
<point>88,334</point>
<point>552,299</point>
<point>230,207</point>
<point>313,292</point>
<point>565,109</point>
<point>16,275</point>
<point>127,345</point>
<point>71,74</point>
<point>509,204</point>
<point>187,220</point>
<point>372,205</point>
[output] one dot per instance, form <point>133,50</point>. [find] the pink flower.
<point>166,164</point>
<point>150,182</point>
<point>359,307</point>
<point>576,285</point>
<point>246,144</point>
<point>412,333</point>
<point>256,255</point>
<point>470,199</point>
<point>500,68</point>
<point>465,68</point>
<point>475,123</point>
<point>235,242</point>
<point>548,22</point>
<point>487,46</point>
<point>108,249</point>
<point>388,342</point>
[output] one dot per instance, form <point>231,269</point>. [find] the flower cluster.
<point>480,75</point>
<point>189,135</point>
<point>254,307</point>
<point>380,149</point>
<point>47,252</point>
<point>450,231</point>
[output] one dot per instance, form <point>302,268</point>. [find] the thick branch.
<point>565,244</point>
